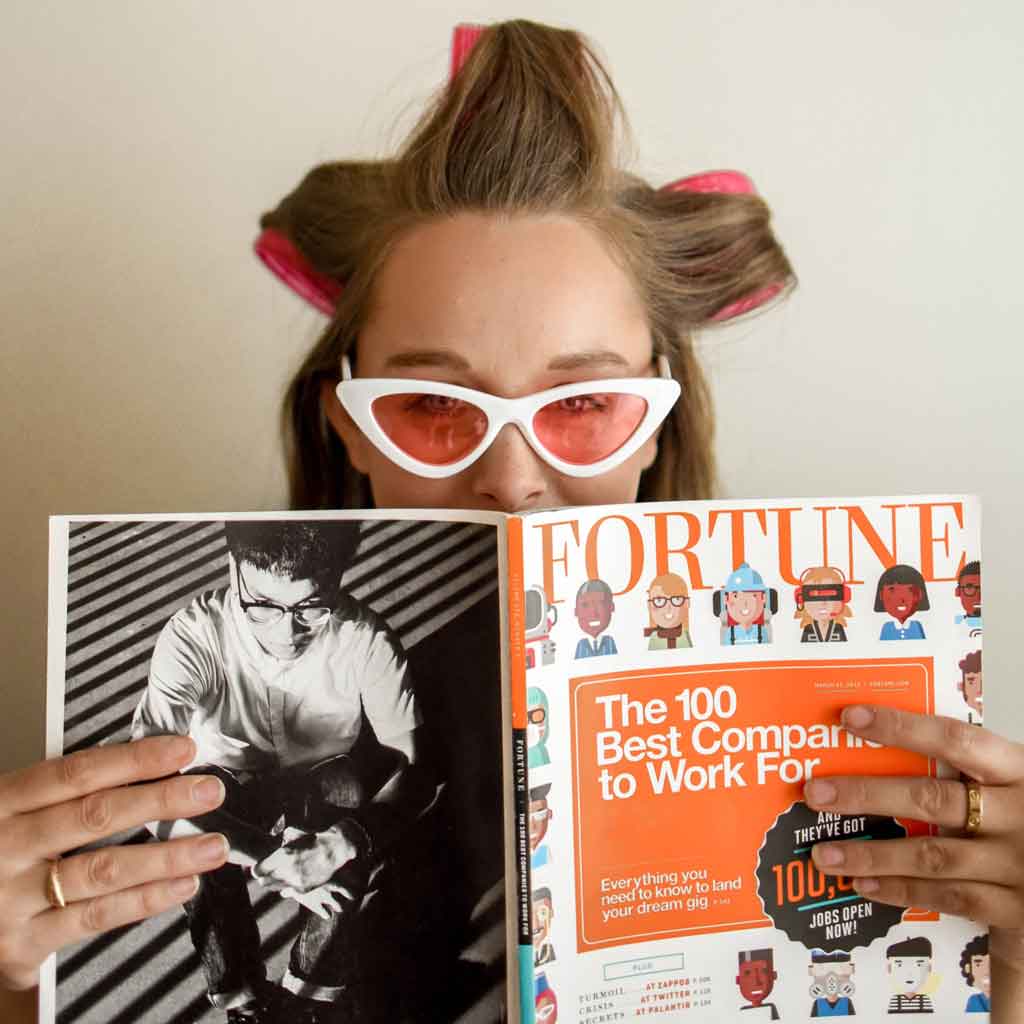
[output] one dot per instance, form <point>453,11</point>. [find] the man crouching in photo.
<point>299,700</point>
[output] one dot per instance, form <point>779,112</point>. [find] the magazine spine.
<point>521,786</point>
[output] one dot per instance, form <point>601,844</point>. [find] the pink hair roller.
<point>282,256</point>
<point>735,183</point>
<point>284,259</point>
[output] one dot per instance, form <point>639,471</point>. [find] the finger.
<point>86,771</point>
<point>918,857</point>
<point>50,832</point>
<point>972,749</point>
<point>113,868</point>
<point>940,802</point>
<point>979,901</point>
<point>54,929</point>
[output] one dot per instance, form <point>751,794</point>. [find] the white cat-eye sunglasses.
<point>436,430</point>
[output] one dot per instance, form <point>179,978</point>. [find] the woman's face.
<point>511,307</point>
<point>823,611</point>
<point>900,600</point>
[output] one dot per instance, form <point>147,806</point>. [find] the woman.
<point>503,251</point>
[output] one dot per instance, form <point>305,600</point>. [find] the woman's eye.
<point>583,403</point>
<point>437,405</point>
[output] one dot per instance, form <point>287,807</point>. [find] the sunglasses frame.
<point>357,395</point>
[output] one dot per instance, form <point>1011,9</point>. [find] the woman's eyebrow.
<point>427,357</point>
<point>592,360</point>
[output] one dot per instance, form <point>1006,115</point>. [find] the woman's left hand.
<point>979,877</point>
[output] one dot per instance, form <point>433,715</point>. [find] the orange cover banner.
<point>678,774</point>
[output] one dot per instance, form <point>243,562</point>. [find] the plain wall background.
<point>145,350</point>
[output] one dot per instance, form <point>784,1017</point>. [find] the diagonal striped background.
<point>125,580</point>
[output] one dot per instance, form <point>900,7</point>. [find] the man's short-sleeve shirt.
<point>250,712</point>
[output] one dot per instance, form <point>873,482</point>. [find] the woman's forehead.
<point>508,304</point>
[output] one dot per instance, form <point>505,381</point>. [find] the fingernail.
<point>183,888</point>
<point>858,717</point>
<point>829,855</point>
<point>866,884</point>
<point>212,850</point>
<point>208,791</point>
<point>818,791</point>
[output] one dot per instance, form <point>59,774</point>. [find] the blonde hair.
<point>672,585</point>
<point>822,574</point>
<point>526,126</point>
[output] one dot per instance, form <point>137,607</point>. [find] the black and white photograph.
<point>341,680</point>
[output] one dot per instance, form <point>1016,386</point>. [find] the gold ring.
<point>54,890</point>
<point>974,808</point>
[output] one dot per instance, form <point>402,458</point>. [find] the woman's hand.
<point>980,877</point>
<point>58,805</point>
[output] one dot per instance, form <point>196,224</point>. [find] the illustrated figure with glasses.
<point>299,700</point>
<point>668,610</point>
<point>968,590</point>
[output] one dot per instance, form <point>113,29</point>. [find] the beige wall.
<point>144,350</point>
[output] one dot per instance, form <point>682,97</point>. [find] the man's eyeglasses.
<point>660,602</point>
<point>266,613</point>
<point>437,430</point>
<point>969,589</point>
<point>536,716</point>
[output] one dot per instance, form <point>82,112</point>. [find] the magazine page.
<point>685,668</point>
<point>319,661</point>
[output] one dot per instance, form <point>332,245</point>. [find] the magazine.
<point>616,708</point>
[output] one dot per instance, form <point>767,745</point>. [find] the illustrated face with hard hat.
<point>745,607</point>
<point>745,596</point>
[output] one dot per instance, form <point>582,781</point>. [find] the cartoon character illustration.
<point>976,968</point>
<point>970,687</point>
<point>745,607</point>
<point>668,610</point>
<point>541,916</point>
<point>594,607</point>
<point>536,727</point>
<point>831,984</point>
<point>909,966</point>
<point>901,593</point>
<point>756,979</point>
<point>968,589</point>
<point>545,1004</point>
<point>539,616</point>
<point>822,605</point>
<point>540,815</point>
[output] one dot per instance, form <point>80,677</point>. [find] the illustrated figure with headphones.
<point>822,605</point>
<point>745,607</point>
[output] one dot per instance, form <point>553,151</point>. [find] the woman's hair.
<point>822,574</point>
<point>906,575</point>
<point>528,125</point>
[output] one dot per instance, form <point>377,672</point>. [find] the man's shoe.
<point>267,1008</point>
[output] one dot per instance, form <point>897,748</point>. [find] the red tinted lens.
<point>585,429</point>
<point>434,429</point>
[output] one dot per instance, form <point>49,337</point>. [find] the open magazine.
<point>614,709</point>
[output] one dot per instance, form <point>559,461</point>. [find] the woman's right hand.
<point>59,805</point>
